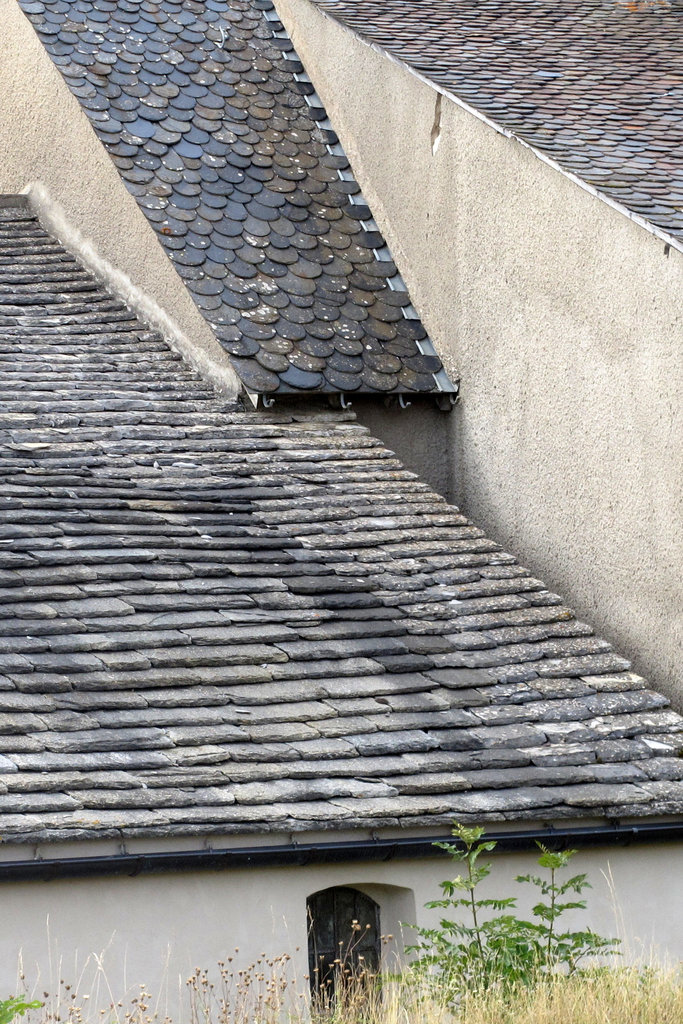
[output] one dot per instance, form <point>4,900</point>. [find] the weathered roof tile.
<point>273,631</point>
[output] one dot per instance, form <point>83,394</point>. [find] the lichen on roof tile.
<point>597,85</point>
<point>217,622</point>
<point>216,130</point>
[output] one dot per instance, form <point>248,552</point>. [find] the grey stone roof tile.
<point>663,768</point>
<point>231,157</point>
<point>191,644</point>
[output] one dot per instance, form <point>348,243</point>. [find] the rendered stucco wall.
<point>563,319</point>
<point>48,148</point>
<point>156,930</point>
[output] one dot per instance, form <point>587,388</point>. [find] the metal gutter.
<point>303,854</point>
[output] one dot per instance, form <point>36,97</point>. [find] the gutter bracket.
<point>446,402</point>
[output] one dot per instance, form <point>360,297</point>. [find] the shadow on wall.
<point>422,437</point>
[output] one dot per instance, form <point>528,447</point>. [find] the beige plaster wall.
<point>49,149</point>
<point>564,320</point>
<point>157,929</point>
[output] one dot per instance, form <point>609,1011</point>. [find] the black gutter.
<point>302,854</point>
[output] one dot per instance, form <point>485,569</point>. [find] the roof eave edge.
<point>348,851</point>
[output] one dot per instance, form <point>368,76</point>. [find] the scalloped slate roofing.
<point>217,132</point>
<point>219,622</point>
<point>596,84</point>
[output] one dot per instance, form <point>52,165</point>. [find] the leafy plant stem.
<point>553,895</point>
<point>473,903</point>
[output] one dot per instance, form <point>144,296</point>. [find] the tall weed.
<point>482,943</point>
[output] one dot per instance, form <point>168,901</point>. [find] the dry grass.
<point>618,997</point>
<point>612,997</point>
<point>266,993</point>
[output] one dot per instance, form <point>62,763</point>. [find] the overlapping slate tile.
<point>213,622</point>
<point>216,130</point>
<point>598,85</point>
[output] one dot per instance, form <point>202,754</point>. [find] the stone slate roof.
<point>216,130</point>
<point>597,85</point>
<point>219,622</point>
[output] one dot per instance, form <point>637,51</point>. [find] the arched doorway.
<point>343,937</point>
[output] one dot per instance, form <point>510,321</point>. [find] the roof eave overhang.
<point>333,852</point>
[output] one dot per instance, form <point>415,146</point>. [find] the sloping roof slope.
<point>215,622</point>
<point>216,130</point>
<point>597,84</point>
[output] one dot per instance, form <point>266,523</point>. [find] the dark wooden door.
<point>343,937</point>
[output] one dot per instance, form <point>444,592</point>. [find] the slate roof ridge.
<point>215,622</point>
<point>594,95</point>
<point>216,130</point>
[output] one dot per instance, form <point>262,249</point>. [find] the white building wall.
<point>563,318</point>
<point>155,930</point>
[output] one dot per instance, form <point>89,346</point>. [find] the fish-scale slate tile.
<point>217,132</point>
<point>596,85</point>
<point>213,622</point>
